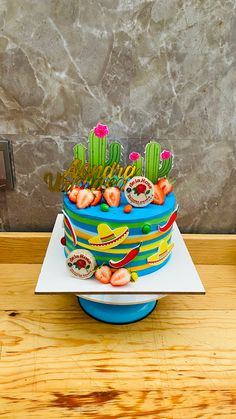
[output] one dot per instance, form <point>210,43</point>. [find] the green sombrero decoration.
<point>108,238</point>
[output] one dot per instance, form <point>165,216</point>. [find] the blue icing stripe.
<point>117,214</point>
<point>136,231</point>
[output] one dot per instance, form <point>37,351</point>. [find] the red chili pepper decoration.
<point>130,256</point>
<point>169,222</point>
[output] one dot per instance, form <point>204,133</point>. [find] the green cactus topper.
<point>157,165</point>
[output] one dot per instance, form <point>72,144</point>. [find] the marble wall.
<point>159,69</point>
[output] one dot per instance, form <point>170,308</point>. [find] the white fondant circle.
<point>139,191</point>
<point>81,263</point>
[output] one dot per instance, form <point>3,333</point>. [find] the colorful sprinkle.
<point>128,208</point>
<point>104,207</point>
<point>63,241</point>
<point>146,229</point>
<point>134,276</point>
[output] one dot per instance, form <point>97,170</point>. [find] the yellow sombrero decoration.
<point>162,254</point>
<point>108,238</point>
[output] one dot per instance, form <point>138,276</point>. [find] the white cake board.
<point>179,276</point>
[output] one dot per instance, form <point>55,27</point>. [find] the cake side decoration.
<point>170,222</point>
<point>131,255</point>
<point>108,238</point>
<point>162,254</point>
<point>139,191</point>
<point>70,227</point>
<point>81,263</point>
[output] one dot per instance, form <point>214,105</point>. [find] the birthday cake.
<point>117,219</point>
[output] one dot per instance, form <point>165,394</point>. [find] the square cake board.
<point>179,276</point>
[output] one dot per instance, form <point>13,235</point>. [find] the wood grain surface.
<point>57,362</point>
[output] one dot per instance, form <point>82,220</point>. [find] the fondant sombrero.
<point>108,238</point>
<point>164,251</point>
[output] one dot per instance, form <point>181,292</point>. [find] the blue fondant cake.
<point>106,243</point>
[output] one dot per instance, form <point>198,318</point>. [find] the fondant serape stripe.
<point>118,249</point>
<point>82,221</point>
<point>144,269</point>
<point>132,240</point>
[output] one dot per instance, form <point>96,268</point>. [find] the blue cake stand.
<point>117,314</point>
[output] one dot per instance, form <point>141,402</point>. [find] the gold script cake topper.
<point>82,174</point>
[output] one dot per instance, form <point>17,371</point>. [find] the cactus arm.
<point>152,161</point>
<point>79,152</point>
<point>97,149</point>
<point>114,154</point>
<point>139,166</point>
<point>165,167</point>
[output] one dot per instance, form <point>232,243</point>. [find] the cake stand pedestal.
<point>117,314</point>
<point>119,305</point>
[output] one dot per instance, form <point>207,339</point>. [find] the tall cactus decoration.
<point>152,161</point>
<point>98,149</point>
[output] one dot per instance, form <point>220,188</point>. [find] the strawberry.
<point>165,185</point>
<point>112,196</point>
<point>84,198</point>
<point>72,195</point>
<point>103,274</point>
<point>121,277</point>
<point>97,198</point>
<point>159,196</point>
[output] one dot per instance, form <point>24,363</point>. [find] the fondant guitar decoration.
<point>164,251</point>
<point>108,238</point>
<point>69,225</point>
<point>170,222</point>
<point>126,259</point>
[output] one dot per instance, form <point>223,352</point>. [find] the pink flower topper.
<point>101,130</point>
<point>134,156</point>
<point>165,155</point>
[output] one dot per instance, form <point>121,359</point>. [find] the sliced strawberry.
<point>165,185</point>
<point>73,194</point>
<point>84,198</point>
<point>159,196</point>
<point>97,197</point>
<point>112,196</point>
<point>120,277</point>
<point>103,274</point>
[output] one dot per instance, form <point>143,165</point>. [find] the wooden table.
<point>56,362</point>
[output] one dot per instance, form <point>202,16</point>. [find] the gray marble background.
<point>162,69</point>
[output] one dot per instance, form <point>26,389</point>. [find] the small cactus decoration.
<point>157,164</point>
<point>79,152</point>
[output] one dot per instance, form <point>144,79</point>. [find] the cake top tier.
<point>98,171</point>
